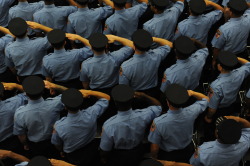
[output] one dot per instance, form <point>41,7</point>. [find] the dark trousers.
<point>7,76</point>
<point>85,156</point>
<point>74,83</point>
<point>130,157</point>
<point>182,155</point>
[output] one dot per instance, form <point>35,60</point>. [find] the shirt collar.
<point>235,19</point>
<point>139,56</point>
<point>99,56</point>
<point>83,9</point>
<point>158,15</point>
<point>224,75</point>
<point>59,51</point>
<point>119,11</point>
<point>174,111</point>
<point>124,113</point>
<point>49,6</point>
<point>73,115</point>
<point>35,101</point>
<point>222,145</point>
<point>22,39</point>
<point>23,3</point>
<point>182,61</point>
<point>194,17</point>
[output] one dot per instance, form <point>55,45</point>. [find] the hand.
<point>208,120</point>
<point>139,95</point>
<point>33,25</point>
<point>237,119</point>
<point>167,163</point>
<point>111,38</point>
<point>26,147</point>
<point>9,86</point>
<point>49,85</point>
<point>62,154</point>
<point>85,93</point>
<point>4,154</point>
<point>190,92</point>
<point>72,37</point>
<point>207,2</point>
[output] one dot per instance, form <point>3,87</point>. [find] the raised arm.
<point>9,154</point>
<point>74,37</point>
<point>214,5</point>
<point>151,100</point>
<point>35,25</point>
<point>245,123</point>
<point>99,95</point>
<point>73,3</point>
<point>52,86</point>
<point>242,61</point>
<point>163,42</point>
<point>198,96</point>
<point>198,44</point>
<point>123,41</point>
<point>12,86</point>
<point>109,3</point>
<point>5,31</point>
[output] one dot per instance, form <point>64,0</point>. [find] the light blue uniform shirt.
<point>163,25</point>
<point>248,94</point>
<point>102,71</point>
<point>86,21</point>
<point>4,11</point>
<point>4,41</point>
<point>174,130</point>
<point>7,111</point>
<point>186,72</point>
<point>124,22</point>
<point>65,65</point>
<point>198,26</point>
<point>226,87</point>
<point>141,71</point>
<point>126,129</point>
<point>25,10</point>
<point>232,36</point>
<point>36,119</point>
<point>215,153</point>
<point>77,130</point>
<point>54,17</point>
<point>25,163</point>
<point>26,55</point>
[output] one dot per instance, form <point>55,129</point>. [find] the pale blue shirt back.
<point>102,71</point>
<point>198,26</point>
<point>226,87</point>
<point>26,55</point>
<point>65,65</point>
<point>54,17</point>
<point>141,71</point>
<point>215,153</point>
<point>124,22</point>
<point>126,129</point>
<point>4,41</point>
<point>77,130</point>
<point>163,25</point>
<point>36,119</point>
<point>232,36</point>
<point>174,130</point>
<point>7,110</point>
<point>186,72</point>
<point>86,21</point>
<point>4,11</point>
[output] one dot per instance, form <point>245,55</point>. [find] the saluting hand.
<point>111,38</point>
<point>4,154</point>
<point>33,25</point>
<point>85,93</point>
<point>9,86</point>
<point>72,36</point>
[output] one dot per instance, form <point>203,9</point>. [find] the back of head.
<point>160,5</point>
<point>98,42</point>
<point>1,90</point>
<point>33,86</point>
<point>184,47</point>
<point>122,95</point>
<point>72,99</point>
<point>39,161</point>
<point>48,2</point>
<point>142,40</point>
<point>237,7</point>
<point>197,7</point>
<point>56,37</point>
<point>82,2</point>
<point>18,27</point>
<point>120,3</point>
<point>176,95</point>
<point>227,60</point>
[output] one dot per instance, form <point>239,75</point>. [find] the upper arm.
<point>106,141</point>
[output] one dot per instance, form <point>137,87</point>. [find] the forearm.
<point>98,95</point>
<point>216,6</point>
<point>210,113</point>
<point>109,3</point>
<point>19,87</point>
<point>124,41</point>
<point>23,139</point>
<point>17,157</point>
<point>199,96</point>
<point>5,31</point>
<point>85,85</point>
<point>245,123</point>
<point>198,44</point>
<point>45,28</point>
<point>242,61</point>
<point>151,100</point>
<point>84,41</point>
<point>73,3</point>
<point>154,149</point>
<point>162,42</point>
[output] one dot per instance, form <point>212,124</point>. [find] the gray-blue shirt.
<point>4,41</point>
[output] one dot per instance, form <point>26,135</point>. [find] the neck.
<point>138,52</point>
<point>98,53</point>
<point>173,108</point>
<point>83,6</point>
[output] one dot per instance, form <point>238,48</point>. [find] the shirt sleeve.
<point>4,41</point>
<point>45,71</point>
<point>104,12</point>
<point>22,164</point>
<point>154,135</point>
<point>122,54</point>
<point>106,142</point>
<point>199,106</point>
<point>201,54</point>
<point>123,79</point>
<point>8,60</point>
<point>107,29</point>
<point>195,160</point>
<point>70,28</point>
<point>84,53</point>
<point>98,108</point>
<point>214,16</point>
<point>154,111</point>
<point>43,43</point>
<point>138,10</point>
<point>245,69</point>
<point>55,139</point>
<point>245,134</point>
<point>178,8</point>
<point>70,9</point>
<point>162,51</point>
<point>19,126</point>
<point>83,74</point>
<point>219,39</point>
<point>214,100</point>
<point>165,83</point>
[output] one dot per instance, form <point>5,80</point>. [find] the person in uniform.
<point>224,90</point>
<point>63,67</point>
<point>233,141</point>
<point>141,71</point>
<point>4,12</point>
<point>24,56</point>
<point>53,16</point>
<point>5,73</point>
<point>197,25</point>
<point>75,133</point>
<point>102,70</point>
<point>232,36</point>
<point>25,11</point>
<point>86,21</point>
<point>171,133</point>
<point>163,24</point>
<point>189,65</point>
<point>33,123</point>
<point>124,22</point>
<point>123,133</point>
